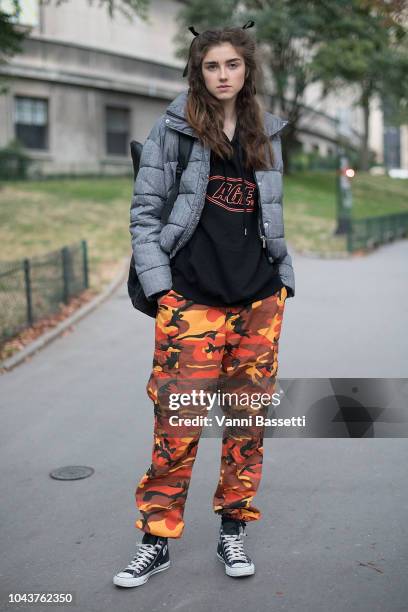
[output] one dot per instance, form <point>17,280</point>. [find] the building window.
<point>31,122</point>
<point>117,130</point>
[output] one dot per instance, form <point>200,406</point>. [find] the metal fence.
<point>34,288</point>
<point>373,231</point>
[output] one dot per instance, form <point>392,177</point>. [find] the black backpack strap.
<point>185,146</point>
<point>136,152</point>
<point>184,152</point>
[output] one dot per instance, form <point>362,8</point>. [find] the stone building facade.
<point>85,85</point>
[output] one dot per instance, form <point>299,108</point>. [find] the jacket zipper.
<point>260,218</point>
<point>261,224</point>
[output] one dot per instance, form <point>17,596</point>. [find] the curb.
<point>319,254</point>
<point>323,255</point>
<point>42,341</point>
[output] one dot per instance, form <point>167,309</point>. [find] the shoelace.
<point>234,547</point>
<point>144,556</point>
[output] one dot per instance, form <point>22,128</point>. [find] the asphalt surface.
<point>334,533</point>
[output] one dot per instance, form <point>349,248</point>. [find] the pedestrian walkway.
<point>349,316</point>
<point>333,533</point>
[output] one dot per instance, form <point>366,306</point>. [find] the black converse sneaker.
<point>152,557</point>
<point>230,549</point>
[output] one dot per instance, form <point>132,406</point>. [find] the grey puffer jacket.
<point>153,243</point>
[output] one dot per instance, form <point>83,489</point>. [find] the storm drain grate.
<point>72,472</point>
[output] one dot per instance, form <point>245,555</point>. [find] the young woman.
<point>220,272</point>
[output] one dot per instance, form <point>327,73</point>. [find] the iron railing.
<point>373,231</point>
<point>31,289</point>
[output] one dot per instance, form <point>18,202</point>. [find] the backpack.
<point>135,290</point>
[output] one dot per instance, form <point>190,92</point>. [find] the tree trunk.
<point>288,145</point>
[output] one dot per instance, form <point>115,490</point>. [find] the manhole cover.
<point>72,472</point>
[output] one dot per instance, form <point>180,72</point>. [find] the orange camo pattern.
<point>207,347</point>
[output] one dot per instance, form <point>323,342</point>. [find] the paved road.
<point>334,533</point>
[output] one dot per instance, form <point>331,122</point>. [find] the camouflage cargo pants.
<point>204,347</point>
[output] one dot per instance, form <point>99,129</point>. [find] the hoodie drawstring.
<point>240,161</point>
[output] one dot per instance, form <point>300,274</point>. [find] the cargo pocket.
<point>166,357</point>
<point>165,368</point>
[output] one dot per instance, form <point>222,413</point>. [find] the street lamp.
<point>344,194</point>
<point>344,174</point>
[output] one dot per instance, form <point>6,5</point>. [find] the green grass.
<point>379,195</point>
<point>310,206</point>
<point>40,216</point>
<point>102,190</point>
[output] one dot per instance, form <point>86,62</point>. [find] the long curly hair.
<point>205,113</point>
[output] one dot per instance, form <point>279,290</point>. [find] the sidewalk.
<point>334,532</point>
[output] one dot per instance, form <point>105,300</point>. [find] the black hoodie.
<point>224,262</point>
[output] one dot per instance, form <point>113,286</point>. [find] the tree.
<point>364,43</point>
<point>300,43</point>
<point>10,37</point>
